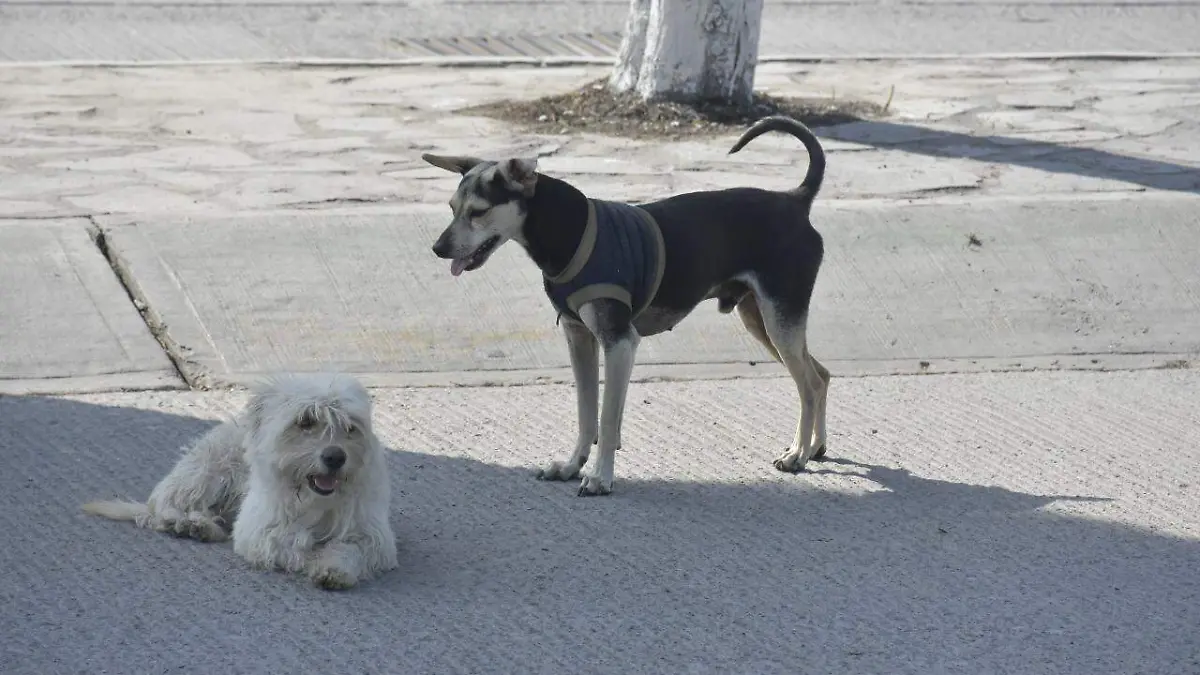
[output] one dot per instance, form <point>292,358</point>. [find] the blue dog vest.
<point>620,257</point>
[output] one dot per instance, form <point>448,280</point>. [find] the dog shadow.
<point>848,568</point>
<point>946,494</point>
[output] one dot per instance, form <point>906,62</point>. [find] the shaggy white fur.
<point>300,475</point>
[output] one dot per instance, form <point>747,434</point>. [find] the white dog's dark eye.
<point>352,429</point>
<point>306,422</point>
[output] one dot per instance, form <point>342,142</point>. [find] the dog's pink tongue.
<point>325,482</point>
<point>457,266</point>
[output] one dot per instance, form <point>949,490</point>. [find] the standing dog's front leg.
<point>585,365</point>
<point>611,322</point>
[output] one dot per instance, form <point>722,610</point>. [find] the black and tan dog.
<point>618,272</point>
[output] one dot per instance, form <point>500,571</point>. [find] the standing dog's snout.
<point>333,458</point>
<point>441,247</point>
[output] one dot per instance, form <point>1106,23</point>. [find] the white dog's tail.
<point>117,510</point>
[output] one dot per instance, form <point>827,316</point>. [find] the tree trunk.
<point>690,50</point>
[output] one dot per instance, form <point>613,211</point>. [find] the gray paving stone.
<point>27,184</point>
<point>1127,125</point>
<point>135,199</point>
<point>1051,277</point>
<point>359,290</point>
<point>249,125</point>
<point>1148,103</point>
<point>24,207</point>
<point>356,291</point>
<point>1040,99</point>
<point>597,166</point>
<point>1017,122</point>
<point>67,323</point>
<point>269,137</point>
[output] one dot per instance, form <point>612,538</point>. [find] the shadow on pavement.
<point>1030,153</point>
<point>501,573</point>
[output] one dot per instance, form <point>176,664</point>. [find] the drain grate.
<point>602,45</point>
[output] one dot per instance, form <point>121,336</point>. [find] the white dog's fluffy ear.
<point>256,409</point>
<point>455,164</point>
<point>521,174</point>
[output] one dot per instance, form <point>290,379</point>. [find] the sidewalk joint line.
<point>157,327</point>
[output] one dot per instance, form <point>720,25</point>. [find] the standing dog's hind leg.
<point>792,345</point>
<point>751,315</point>
<point>585,365</point>
<point>819,439</point>
<point>752,318</point>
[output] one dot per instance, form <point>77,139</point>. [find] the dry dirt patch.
<point>596,109</point>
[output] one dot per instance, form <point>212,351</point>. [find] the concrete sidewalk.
<point>1036,523</point>
<point>279,218</point>
<point>226,139</point>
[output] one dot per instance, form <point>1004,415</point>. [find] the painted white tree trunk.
<point>690,50</point>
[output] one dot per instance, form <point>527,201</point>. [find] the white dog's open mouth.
<point>322,484</point>
<point>476,259</point>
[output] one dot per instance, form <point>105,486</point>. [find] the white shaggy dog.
<point>300,475</point>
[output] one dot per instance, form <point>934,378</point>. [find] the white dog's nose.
<point>333,458</point>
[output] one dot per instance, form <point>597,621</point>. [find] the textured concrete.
<point>264,216</point>
<point>999,523</point>
<point>1027,523</point>
<point>1063,281</point>
<point>65,322</point>
<point>357,292</point>
<point>177,30</point>
<point>236,138</point>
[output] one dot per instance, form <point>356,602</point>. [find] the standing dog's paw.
<point>591,486</point>
<point>332,578</point>
<point>790,461</point>
<point>559,471</point>
<point>819,456</point>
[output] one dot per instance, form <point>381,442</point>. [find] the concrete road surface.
<point>1034,523</point>
<point>85,30</point>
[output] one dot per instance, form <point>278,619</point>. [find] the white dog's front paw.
<point>591,485</point>
<point>332,578</point>
<point>561,470</point>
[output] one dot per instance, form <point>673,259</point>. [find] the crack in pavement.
<point>157,326</point>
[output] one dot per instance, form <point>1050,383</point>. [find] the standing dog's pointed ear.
<point>455,164</point>
<point>521,174</point>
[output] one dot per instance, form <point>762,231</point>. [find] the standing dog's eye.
<point>475,214</point>
<point>307,421</point>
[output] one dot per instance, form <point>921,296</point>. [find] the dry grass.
<point>596,109</point>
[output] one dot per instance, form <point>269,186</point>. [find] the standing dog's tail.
<point>816,154</point>
<point>115,510</point>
